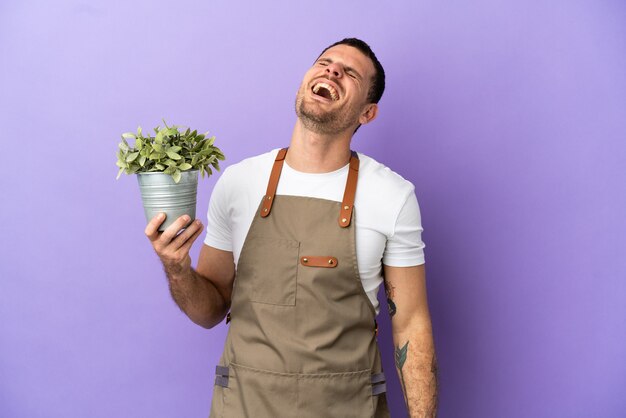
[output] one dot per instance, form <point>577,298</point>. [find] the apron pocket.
<point>259,393</point>
<point>345,395</point>
<point>273,264</point>
<point>255,392</point>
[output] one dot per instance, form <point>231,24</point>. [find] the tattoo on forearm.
<point>389,289</point>
<point>400,359</point>
<point>418,374</point>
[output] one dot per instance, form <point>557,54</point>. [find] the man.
<point>298,242</point>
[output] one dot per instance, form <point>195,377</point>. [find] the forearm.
<point>196,296</point>
<point>416,364</point>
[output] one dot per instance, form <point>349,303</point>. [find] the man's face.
<point>333,93</point>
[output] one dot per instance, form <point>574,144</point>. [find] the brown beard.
<point>328,122</point>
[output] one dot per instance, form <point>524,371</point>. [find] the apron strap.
<point>268,199</point>
<point>347,204</point>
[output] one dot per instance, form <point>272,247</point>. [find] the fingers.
<point>187,236</point>
<point>195,232</point>
<point>170,232</point>
<point>152,229</point>
<point>171,246</point>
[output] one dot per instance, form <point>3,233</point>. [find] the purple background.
<point>509,118</point>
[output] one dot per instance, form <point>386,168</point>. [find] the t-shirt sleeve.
<point>405,247</point>
<point>219,229</point>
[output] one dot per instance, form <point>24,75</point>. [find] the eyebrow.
<point>348,69</point>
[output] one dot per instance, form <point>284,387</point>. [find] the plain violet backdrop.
<point>508,116</point>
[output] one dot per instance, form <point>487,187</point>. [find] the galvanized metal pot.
<point>160,193</point>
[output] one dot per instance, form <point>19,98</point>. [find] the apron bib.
<point>302,336</point>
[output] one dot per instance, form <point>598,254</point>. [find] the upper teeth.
<point>333,92</point>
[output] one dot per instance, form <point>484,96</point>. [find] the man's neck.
<point>311,152</point>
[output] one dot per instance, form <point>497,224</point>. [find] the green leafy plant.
<point>170,151</point>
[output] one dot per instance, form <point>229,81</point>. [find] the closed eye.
<point>353,73</point>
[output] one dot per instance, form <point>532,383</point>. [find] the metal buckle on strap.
<point>379,384</point>
<point>221,376</point>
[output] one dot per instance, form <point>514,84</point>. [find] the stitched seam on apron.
<point>300,375</point>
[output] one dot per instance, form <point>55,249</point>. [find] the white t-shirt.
<point>388,220</point>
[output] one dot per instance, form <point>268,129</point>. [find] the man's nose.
<point>334,70</point>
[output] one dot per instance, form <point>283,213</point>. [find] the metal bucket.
<point>160,193</point>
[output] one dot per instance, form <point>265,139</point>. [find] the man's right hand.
<point>171,246</point>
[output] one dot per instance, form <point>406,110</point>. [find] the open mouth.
<point>326,91</point>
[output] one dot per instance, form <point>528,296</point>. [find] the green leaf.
<point>170,170</point>
<point>157,147</point>
<point>132,156</point>
<point>155,156</point>
<point>159,166</point>
<point>139,133</point>
<point>176,176</point>
<point>128,135</point>
<point>175,148</point>
<point>184,166</point>
<point>119,173</point>
<point>173,155</point>
<point>159,137</point>
<point>124,146</point>
<point>142,160</point>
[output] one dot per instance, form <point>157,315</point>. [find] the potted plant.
<point>167,166</point>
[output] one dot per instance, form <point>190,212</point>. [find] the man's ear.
<point>369,114</point>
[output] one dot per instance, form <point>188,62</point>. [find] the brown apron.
<point>302,339</point>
